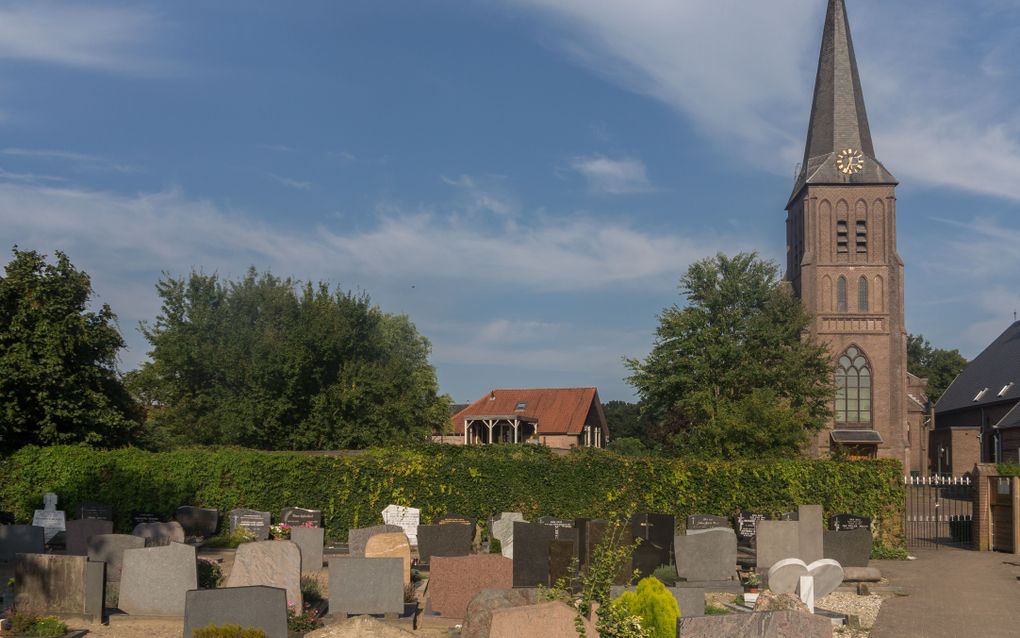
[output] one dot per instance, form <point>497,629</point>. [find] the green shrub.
<point>495,547</point>
<point>227,631</point>
<point>311,589</point>
<point>879,552</point>
<point>47,627</point>
<point>715,610</point>
<point>304,621</point>
<point>233,540</point>
<point>210,575</point>
<point>666,574</point>
<point>655,605</point>
<point>352,489</point>
<point>25,622</point>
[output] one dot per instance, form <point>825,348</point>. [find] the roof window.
<point>1006,388</point>
<point>981,395</point>
<point>520,406</point>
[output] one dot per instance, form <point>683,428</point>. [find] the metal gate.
<point>939,511</point>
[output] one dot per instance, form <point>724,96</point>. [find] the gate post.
<point>983,506</point>
<point>1015,493</point>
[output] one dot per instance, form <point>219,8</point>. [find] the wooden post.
<point>1015,494</point>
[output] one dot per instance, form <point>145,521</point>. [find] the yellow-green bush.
<point>352,489</point>
<point>654,605</point>
<point>227,631</point>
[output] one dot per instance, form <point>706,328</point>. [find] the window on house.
<point>980,395</point>
<point>521,405</point>
<point>862,294</point>
<point>842,237</point>
<point>841,295</point>
<point>853,388</point>
<point>1005,389</point>
<point>862,236</point>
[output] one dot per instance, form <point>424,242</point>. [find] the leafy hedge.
<point>352,489</point>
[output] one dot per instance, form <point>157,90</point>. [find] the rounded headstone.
<point>391,545</point>
<point>784,576</point>
<point>828,575</point>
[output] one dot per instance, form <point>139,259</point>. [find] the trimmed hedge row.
<point>352,489</point>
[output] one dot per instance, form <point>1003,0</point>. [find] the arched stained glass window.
<point>862,294</point>
<point>853,388</point>
<point>841,295</point>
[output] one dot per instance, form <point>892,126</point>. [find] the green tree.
<point>734,373</point>
<point>624,419</point>
<point>939,366</point>
<point>270,363</point>
<point>58,374</point>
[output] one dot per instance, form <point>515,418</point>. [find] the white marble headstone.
<point>806,589</point>
<point>785,576</point>
<point>406,518</point>
<point>52,520</point>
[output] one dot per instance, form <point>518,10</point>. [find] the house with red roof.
<point>560,418</point>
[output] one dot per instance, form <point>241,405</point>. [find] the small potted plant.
<point>752,587</point>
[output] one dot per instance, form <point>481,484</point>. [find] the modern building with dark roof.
<point>977,420</point>
<point>560,418</point>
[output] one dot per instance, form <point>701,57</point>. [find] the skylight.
<point>1006,388</point>
<point>521,405</point>
<point>981,395</point>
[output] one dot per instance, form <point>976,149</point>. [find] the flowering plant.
<point>281,531</point>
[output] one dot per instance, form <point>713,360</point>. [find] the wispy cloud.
<point>290,182</point>
<point>80,35</point>
<point>613,176</point>
<point>482,195</point>
<point>277,148</point>
<point>32,178</point>
<point>81,160</point>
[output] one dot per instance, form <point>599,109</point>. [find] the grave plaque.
<point>139,518</point>
<point>93,511</point>
<point>297,516</point>
<point>155,580</point>
<point>656,548</point>
<point>80,531</point>
<point>455,519</point>
<point>710,555</point>
<point>747,527</point>
<point>257,607</point>
<point>531,554</point>
<point>706,521</point>
<point>851,548</point>
<point>252,520</point>
<point>358,537</point>
<point>847,522</point>
<point>53,584</point>
<point>269,563</point>
<point>310,541</point>
<point>443,540</point>
<point>502,529</point>
<point>556,522</point>
<point>198,521</point>
<point>21,539</point>
<point>407,518</point>
<point>366,586</point>
<point>393,545</point>
<point>110,548</point>
<point>52,520</point>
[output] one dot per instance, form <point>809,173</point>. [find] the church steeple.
<point>839,119</point>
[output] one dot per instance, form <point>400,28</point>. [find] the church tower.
<point>842,259</point>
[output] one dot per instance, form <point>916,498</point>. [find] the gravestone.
<point>770,624</point>
<point>366,586</point>
<point>532,547</point>
<point>851,548</point>
<point>159,534</point>
<point>776,541</point>
<point>581,525</point>
<point>155,580</point>
<point>138,518</point>
<point>785,576</point>
<point>556,522</point>
<point>656,532</point>
<point>710,555</point>
<point>310,541</point>
<point>269,563</point>
<point>198,521</point>
<point>847,522</point>
<point>809,533</point>
<point>52,520</point>
<point>407,518</point>
<point>706,521</point>
<point>255,607</point>
<point>562,554</point>
<point>596,533</point>
<point>88,510</point>
<point>443,540</point>
<point>357,538</point>
<point>789,516</point>
<point>21,539</point>
<point>80,531</point>
<point>502,529</point>
<point>454,581</point>
<point>297,516</point>
<point>110,548</point>
<point>548,620</point>
<point>254,521</point>
<point>454,519</point>
<point>747,526</point>
<point>54,584</point>
<point>393,545</point>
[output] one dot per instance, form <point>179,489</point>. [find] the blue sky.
<point>527,179</point>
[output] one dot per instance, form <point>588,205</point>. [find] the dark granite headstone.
<point>257,607</point>
<point>298,516</point>
<point>454,519</point>
<point>20,539</point>
<point>109,549</point>
<point>706,521</point>
<point>93,511</point>
<point>562,553</point>
<point>140,518</point>
<point>80,531</point>
<point>656,532</point>
<point>847,522</point>
<point>581,525</point>
<point>747,527</point>
<point>6,518</point>
<point>198,521</point>
<point>851,548</point>
<point>531,554</point>
<point>252,520</point>
<point>596,533</point>
<point>556,522</point>
<point>443,540</point>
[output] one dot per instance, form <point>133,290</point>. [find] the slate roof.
<point>995,368</point>
<point>1012,418</point>
<point>839,119</point>
<point>557,410</point>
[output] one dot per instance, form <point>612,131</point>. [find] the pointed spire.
<point>839,119</point>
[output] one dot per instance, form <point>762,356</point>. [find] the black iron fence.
<point>939,511</point>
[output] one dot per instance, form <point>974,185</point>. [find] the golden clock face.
<point>850,161</point>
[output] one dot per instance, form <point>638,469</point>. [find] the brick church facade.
<point>844,265</point>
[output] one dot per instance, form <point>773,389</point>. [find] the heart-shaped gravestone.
<point>784,576</point>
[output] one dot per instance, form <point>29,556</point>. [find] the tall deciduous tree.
<point>733,373</point>
<point>58,375</point>
<point>939,366</point>
<point>269,363</point>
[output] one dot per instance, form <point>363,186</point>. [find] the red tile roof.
<point>557,410</point>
